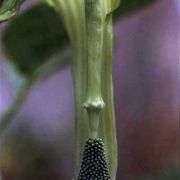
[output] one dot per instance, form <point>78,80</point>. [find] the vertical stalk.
<point>107,122</point>
<point>92,72</point>
<point>94,30</point>
<point>72,14</point>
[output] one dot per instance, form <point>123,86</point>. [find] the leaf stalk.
<point>94,29</point>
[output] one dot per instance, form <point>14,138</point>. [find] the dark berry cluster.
<point>94,163</point>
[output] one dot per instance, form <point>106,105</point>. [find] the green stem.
<point>94,29</point>
<point>83,66</point>
<point>107,123</point>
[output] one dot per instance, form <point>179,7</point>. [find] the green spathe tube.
<point>98,107</point>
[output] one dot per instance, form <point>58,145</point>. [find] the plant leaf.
<point>8,8</point>
<point>33,38</point>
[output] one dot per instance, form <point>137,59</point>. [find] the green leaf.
<point>33,38</point>
<point>8,8</point>
<point>127,7</point>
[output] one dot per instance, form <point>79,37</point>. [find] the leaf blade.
<point>31,39</point>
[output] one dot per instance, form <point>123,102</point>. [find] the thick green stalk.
<point>73,15</point>
<point>92,74</point>
<point>107,122</point>
<point>94,24</point>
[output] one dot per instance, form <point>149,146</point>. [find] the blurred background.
<point>39,143</point>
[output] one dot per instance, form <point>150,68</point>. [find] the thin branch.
<point>16,105</point>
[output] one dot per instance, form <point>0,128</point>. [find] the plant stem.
<point>107,123</point>
<point>74,17</point>
<point>94,29</point>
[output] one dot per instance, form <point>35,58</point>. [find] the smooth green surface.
<point>94,29</point>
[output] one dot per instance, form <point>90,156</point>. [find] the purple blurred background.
<point>146,90</point>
